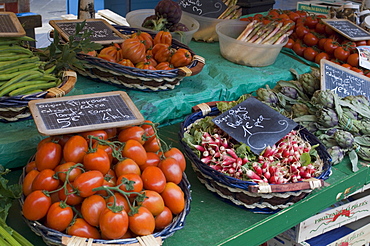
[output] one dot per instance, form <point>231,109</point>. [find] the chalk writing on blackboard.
<point>348,29</point>
<point>10,25</point>
<point>344,82</point>
<point>209,8</point>
<point>255,124</point>
<point>81,113</point>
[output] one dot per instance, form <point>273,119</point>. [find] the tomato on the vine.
<point>152,145</point>
<point>101,134</point>
<point>353,60</point>
<point>133,132</point>
<point>130,182</point>
<point>301,30</point>
<point>67,168</point>
<point>75,149</point>
<point>28,180</point>
<point>153,202</point>
<point>341,53</point>
<point>81,228</point>
<point>163,219</point>
<point>330,45</point>
<point>36,199</point>
<point>91,209</point>
<point>69,195</point>
<point>59,216</point>
<point>135,150</point>
<point>142,223</point>
<point>311,21</point>
<point>153,159</point>
<point>153,179</point>
<point>113,225</point>
<point>173,197</point>
<point>98,160</point>
<point>310,39</point>
<point>177,155</point>
<point>171,169</point>
<point>298,48</point>
<point>48,156</point>
<point>320,56</point>
<point>45,180</point>
<point>87,181</point>
<point>289,44</point>
<point>310,53</point>
<point>120,201</point>
<point>320,27</point>
<point>127,165</point>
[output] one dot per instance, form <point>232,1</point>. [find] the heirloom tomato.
<point>91,209</point>
<point>48,156</point>
<point>163,219</point>
<point>173,197</point>
<point>98,160</point>
<point>153,179</point>
<point>162,52</point>
<point>133,49</point>
<point>145,37</point>
<point>59,216</point>
<point>163,37</point>
<point>113,225</point>
<point>126,62</point>
<point>164,66</point>
<point>75,149</point>
<point>80,228</point>
<point>142,223</point>
<point>36,205</point>
<point>87,181</point>
<point>182,57</point>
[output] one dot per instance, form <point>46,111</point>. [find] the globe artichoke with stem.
<point>300,109</point>
<point>337,154</point>
<point>310,83</point>
<point>344,139</point>
<point>327,117</point>
<point>268,96</point>
<point>323,98</point>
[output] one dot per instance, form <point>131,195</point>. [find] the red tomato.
<point>98,160</point>
<point>101,134</point>
<point>108,149</point>
<point>152,145</point>
<point>110,180</point>
<point>61,140</point>
<point>30,166</point>
<point>298,48</point>
<point>75,149</point>
<point>309,53</point>
<point>289,44</point>
<point>329,31</point>
<point>361,43</point>
<point>330,45</point>
<point>320,56</point>
<point>310,39</point>
<point>133,132</point>
<point>59,216</point>
<point>45,181</point>
<point>68,195</point>
<point>294,16</point>
<point>153,159</point>
<point>134,150</point>
<point>86,182</point>
<point>301,31</point>
<point>177,155</point>
<point>91,209</point>
<point>28,180</point>
<point>353,60</point>
<point>65,169</point>
<point>171,170</point>
<point>357,70</point>
<point>173,198</point>
<point>130,182</point>
<point>341,53</point>
<point>142,223</point>
<point>48,156</point>
<point>111,132</point>
<point>153,202</point>
<point>36,205</point>
<point>80,228</point>
<point>153,179</point>
<point>163,219</point>
<point>120,201</point>
<point>125,166</point>
<point>321,43</point>
<point>113,225</point>
<point>320,27</point>
<point>311,21</point>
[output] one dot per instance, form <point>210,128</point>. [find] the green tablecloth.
<point>219,80</point>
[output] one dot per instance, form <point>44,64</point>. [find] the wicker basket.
<point>259,198</point>
<point>139,79</point>
<point>53,237</point>
<point>16,108</point>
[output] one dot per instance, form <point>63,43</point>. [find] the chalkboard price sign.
<point>255,124</point>
<point>348,29</point>
<point>101,31</point>
<point>10,25</point>
<point>73,114</point>
<point>344,82</point>
<point>206,8</point>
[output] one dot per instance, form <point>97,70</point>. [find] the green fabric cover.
<point>219,80</point>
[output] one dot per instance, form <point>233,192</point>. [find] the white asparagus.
<point>247,30</point>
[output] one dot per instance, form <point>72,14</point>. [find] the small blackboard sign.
<point>73,114</point>
<point>348,29</point>
<point>206,8</point>
<point>255,124</point>
<point>10,25</point>
<point>102,31</point>
<point>343,81</point>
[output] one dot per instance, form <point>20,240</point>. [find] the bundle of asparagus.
<point>233,11</point>
<point>271,33</point>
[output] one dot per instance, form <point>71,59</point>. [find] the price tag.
<point>209,8</point>
<point>255,124</point>
<point>73,114</point>
<point>102,31</point>
<point>343,81</point>
<point>348,29</point>
<point>10,25</point>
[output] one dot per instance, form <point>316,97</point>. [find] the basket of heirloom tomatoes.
<point>278,177</point>
<point>145,61</point>
<point>113,186</point>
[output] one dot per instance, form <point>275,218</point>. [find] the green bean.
<point>22,84</point>
<point>14,57</point>
<point>15,49</point>
<point>27,89</point>
<point>22,67</point>
<point>19,61</point>
<point>26,75</point>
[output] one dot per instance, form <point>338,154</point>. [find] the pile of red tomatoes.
<point>105,184</point>
<point>314,40</point>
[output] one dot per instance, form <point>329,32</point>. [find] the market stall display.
<point>106,175</point>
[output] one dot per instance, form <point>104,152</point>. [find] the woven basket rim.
<point>53,237</point>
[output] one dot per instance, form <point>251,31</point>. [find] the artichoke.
<point>363,153</point>
<point>344,139</point>
<point>289,92</point>
<point>331,131</point>
<point>359,98</point>
<point>337,154</point>
<point>327,140</point>
<point>327,117</point>
<point>169,10</point>
<point>300,109</point>
<point>351,113</point>
<point>310,83</point>
<point>267,96</point>
<point>323,98</point>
